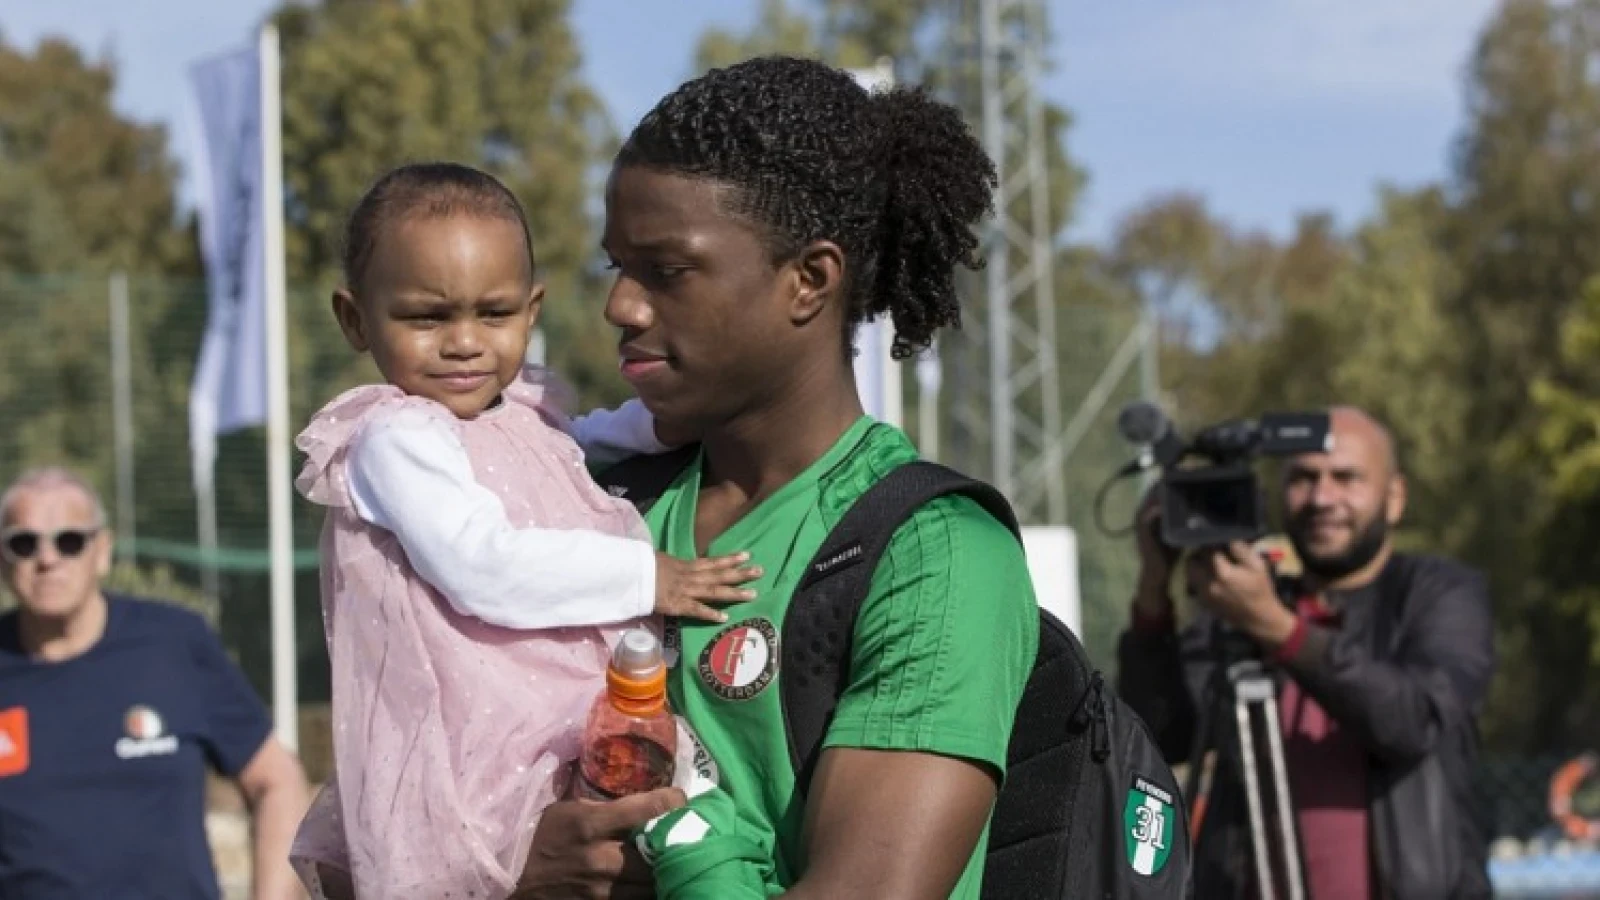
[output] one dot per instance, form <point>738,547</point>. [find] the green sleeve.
<point>699,853</point>
<point>943,646</point>
<point>944,641</point>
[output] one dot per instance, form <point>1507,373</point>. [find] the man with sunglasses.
<point>111,709</point>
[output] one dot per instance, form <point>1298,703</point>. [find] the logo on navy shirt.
<point>145,735</point>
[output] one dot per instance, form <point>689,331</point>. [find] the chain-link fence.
<point>1533,853</point>
<point>96,377</point>
<point>97,374</point>
<point>107,394</point>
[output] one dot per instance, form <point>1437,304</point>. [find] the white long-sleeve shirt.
<point>412,478</point>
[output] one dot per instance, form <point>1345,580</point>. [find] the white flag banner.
<point>877,373</point>
<point>229,390</point>
<point>241,378</point>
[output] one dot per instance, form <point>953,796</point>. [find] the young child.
<point>474,576</point>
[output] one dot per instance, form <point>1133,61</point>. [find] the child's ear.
<point>535,304</point>
<point>348,313</point>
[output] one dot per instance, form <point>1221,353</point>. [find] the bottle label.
<point>697,771</point>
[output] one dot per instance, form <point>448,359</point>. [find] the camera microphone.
<point>1142,422</point>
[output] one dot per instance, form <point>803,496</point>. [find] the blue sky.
<point>1266,107</point>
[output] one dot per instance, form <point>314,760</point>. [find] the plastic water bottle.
<point>630,739</point>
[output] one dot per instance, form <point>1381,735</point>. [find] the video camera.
<point>1219,500</point>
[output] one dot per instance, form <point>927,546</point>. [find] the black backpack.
<point>1089,810</point>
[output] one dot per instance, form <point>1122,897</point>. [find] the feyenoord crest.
<point>741,660</point>
<point>1147,825</point>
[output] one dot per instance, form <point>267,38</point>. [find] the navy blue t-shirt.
<point>103,758</point>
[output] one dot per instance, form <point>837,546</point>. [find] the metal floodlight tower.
<point>1024,418</point>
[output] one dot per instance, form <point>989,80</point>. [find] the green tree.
<point>80,185</point>
<point>84,191</point>
<point>1224,300</point>
<point>1558,623</point>
<point>1521,237</point>
<point>35,235</point>
<point>370,84</point>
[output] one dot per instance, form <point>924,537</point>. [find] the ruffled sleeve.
<point>605,436</point>
<point>543,391</point>
<point>326,440</point>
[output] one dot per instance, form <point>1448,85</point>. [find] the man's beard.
<point>1366,546</point>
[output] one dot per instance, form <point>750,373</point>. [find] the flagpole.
<point>122,410</point>
<point>205,504</point>
<point>285,705</point>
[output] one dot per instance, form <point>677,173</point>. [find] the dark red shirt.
<point>1328,780</point>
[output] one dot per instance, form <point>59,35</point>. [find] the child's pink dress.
<point>450,734</point>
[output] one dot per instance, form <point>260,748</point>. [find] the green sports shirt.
<point>943,645</point>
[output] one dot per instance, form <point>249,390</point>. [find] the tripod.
<point>1243,690</point>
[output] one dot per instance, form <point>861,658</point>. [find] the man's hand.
<point>1156,560</point>
<point>1234,583</point>
<point>580,849</point>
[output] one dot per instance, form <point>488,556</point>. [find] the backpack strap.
<point>641,480</point>
<point>820,623</point>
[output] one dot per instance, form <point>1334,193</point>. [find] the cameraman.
<point>1383,662</point>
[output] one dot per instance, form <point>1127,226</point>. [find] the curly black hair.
<point>895,178</point>
<point>427,189</point>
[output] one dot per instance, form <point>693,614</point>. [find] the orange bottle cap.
<point>637,676</point>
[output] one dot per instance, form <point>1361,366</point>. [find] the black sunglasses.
<point>18,544</point>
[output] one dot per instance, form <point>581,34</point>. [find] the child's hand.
<point>684,587</point>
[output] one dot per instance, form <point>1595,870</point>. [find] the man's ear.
<point>347,311</point>
<point>103,542</point>
<point>1394,501</point>
<point>818,280</point>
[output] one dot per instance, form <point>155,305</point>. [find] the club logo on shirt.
<point>1147,819</point>
<point>741,660</point>
<point>145,738</point>
<point>13,741</point>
